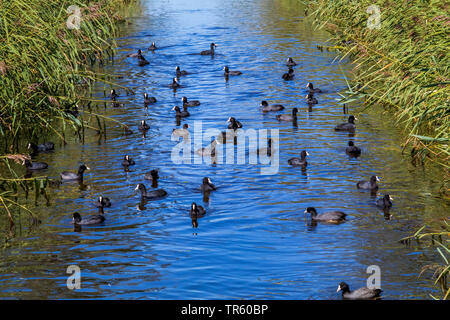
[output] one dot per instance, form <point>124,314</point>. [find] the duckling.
<point>330,217</point>
<point>179,113</point>
<point>369,185</point>
<point>348,126</point>
<point>197,210</point>
<point>287,117</point>
<point>182,132</point>
<point>207,185</point>
<point>311,88</point>
<point>359,294</point>
<point>35,165</point>
<point>127,161</point>
<point>151,195</point>
<point>310,99</point>
<point>152,47</point>
<point>353,150</point>
<point>44,147</point>
<point>143,126</point>
<point>385,202</point>
<point>190,103</point>
<point>103,202</point>
<point>299,162</point>
<point>288,75</point>
<point>180,72</point>
<point>67,175</point>
<point>175,83</point>
<point>227,72</point>
<point>210,52</point>
<point>272,107</point>
<point>234,124</point>
<point>290,62</point>
<point>149,100</point>
<point>90,220</point>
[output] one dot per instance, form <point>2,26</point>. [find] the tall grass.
<point>45,71</point>
<point>402,66</point>
<point>44,64</point>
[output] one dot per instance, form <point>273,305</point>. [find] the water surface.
<point>254,242</point>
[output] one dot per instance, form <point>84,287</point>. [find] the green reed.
<point>403,66</point>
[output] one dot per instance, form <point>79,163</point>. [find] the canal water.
<point>254,241</point>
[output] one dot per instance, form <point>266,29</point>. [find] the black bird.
<point>385,202</point>
<point>272,107</point>
<point>141,60</point>
<point>369,185</point>
<point>210,52</point>
<point>190,103</point>
<point>180,72</point>
<point>207,185</point>
<point>135,55</point>
<point>44,147</point>
<point>288,75</point>
<point>361,293</point>
<point>149,100</point>
<point>179,113</point>
<point>266,150</point>
<point>113,95</point>
<point>35,165</point>
<point>127,161</point>
<point>287,117</point>
<point>152,47</point>
<point>152,175</point>
<point>310,98</point>
<point>234,124</point>
<point>90,220</point>
<point>311,88</point>
<point>227,72</point>
<point>348,126</point>
<point>290,62</point>
<point>210,150</point>
<point>197,210</point>
<point>330,217</point>
<point>181,132</point>
<point>352,149</point>
<point>143,126</point>
<point>103,202</point>
<point>151,195</point>
<point>175,83</point>
<point>299,162</point>
<point>67,175</point>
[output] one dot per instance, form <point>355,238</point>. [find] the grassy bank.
<point>45,60</point>
<point>403,65</point>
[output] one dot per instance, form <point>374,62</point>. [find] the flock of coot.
<point>333,217</point>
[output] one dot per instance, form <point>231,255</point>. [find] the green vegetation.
<point>402,66</point>
<point>438,238</point>
<point>45,70</point>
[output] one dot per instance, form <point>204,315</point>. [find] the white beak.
<point>378,179</point>
<point>229,119</point>
<point>307,153</point>
<point>173,108</point>
<point>137,188</point>
<point>390,198</point>
<point>338,289</point>
<point>306,211</point>
<point>209,180</point>
<point>87,168</point>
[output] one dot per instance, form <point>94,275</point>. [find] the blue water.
<point>254,241</point>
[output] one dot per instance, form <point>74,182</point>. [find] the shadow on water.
<point>253,242</point>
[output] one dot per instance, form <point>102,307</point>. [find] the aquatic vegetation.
<point>44,64</point>
<point>402,63</point>
<point>438,238</point>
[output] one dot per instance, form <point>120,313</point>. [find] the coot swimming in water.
<point>361,293</point>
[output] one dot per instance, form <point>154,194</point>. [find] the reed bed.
<point>46,70</point>
<point>402,66</point>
